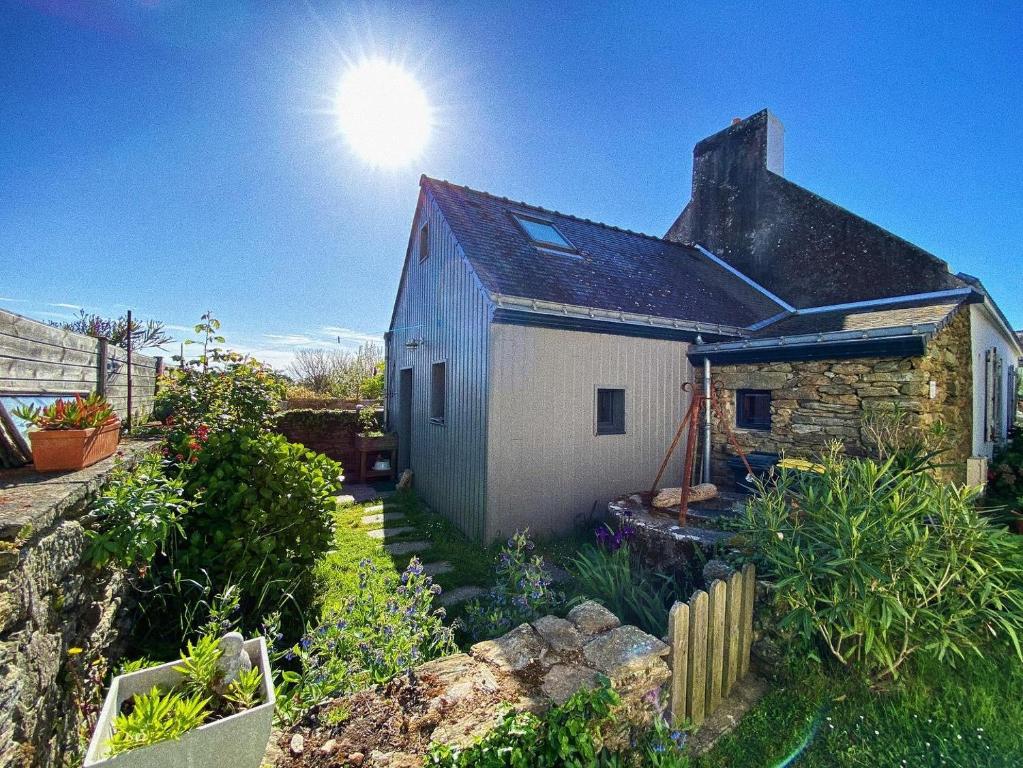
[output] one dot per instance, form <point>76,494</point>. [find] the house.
<point>536,360</point>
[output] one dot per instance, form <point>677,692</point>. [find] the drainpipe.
<point>706,420</point>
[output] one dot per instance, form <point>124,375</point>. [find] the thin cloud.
<point>290,339</point>
<point>62,305</point>
<point>10,300</point>
<point>349,334</point>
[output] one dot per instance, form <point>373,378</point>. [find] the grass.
<point>337,573</point>
<point>969,716</point>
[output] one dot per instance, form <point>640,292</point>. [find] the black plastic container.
<point>761,464</point>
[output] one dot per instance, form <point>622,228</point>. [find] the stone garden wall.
<point>330,432</point>
<point>50,602</point>
<point>814,402</point>
<point>457,699</point>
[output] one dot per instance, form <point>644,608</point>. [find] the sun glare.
<point>383,113</point>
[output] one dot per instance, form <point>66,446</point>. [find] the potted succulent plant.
<point>71,434</point>
<point>213,708</point>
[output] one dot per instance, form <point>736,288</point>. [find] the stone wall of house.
<point>457,699</point>
<point>818,401</point>
<point>50,602</point>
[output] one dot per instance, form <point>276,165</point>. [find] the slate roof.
<point>921,313</point>
<point>615,269</point>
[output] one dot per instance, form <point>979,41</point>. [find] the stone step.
<point>406,547</point>
<point>374,508</point>
<point>459,595</point>
<point>436,569</point>
<point>382,517</point>
<point>390,533</point>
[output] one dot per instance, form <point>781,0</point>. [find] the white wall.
<point>986,332</point>
<point>546,467</point>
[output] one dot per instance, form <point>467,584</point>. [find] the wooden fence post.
<point>733,619</point>
<point>102,361</point>
<point>678,639</point>
<point>715,643</point>
<point>696,693</point>
<point>749,589</point>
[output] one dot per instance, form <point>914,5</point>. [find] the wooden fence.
<point>38,359</point>
<point>710,639</point>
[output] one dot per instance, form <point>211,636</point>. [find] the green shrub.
<point>635,594</point>
<point>1004,493</point>
<point>136,515</point>
<point>266,515</point>
<point>383,631</point>
<point>522,593</point>
<point>879,564</point>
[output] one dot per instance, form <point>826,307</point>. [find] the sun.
<point>383,113</point>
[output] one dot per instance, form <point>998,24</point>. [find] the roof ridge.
<point>503,199</point>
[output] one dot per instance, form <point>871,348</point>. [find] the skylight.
<point>543,233</point>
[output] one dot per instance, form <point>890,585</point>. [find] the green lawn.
<point>971,716</point>
<point>337,573</point>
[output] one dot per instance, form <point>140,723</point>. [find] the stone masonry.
<point>459,698</point>
<point>50,601</point>
<point>815,402</point>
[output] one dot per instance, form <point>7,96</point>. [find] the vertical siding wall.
<point>547,468</point>
<point>442,305</point>
<point>38,359</point>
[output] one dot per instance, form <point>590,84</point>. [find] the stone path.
<point>382,517</point>
<point>436,569</point>
<point>459,595</point>
<point>390,533</point>
<point>406,547</point>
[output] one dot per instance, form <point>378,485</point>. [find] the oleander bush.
<point>875,563</point>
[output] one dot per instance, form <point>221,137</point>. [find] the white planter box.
<point>239,740</point>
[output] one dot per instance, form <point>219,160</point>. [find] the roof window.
<point>543,233</point>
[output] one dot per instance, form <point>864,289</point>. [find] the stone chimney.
<point>730,170</point>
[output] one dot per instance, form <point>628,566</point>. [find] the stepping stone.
<point>374,508</point>
<point>406,547</point>
<point>459,595</point>
<point>436,569</point>
<point>382,517</point>
<point>389,533</point>
<point>345,500</point>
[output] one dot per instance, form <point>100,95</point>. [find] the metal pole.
<point>706,420</point>
<point>129,369</point>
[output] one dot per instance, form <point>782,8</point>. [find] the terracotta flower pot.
<point>57,450</point>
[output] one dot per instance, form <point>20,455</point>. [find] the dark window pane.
<point>437,391</point>
<point>610,411</point>
<point>753,409</point>
<point>424,242</point>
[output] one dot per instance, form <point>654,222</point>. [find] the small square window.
<point>610,411</point>
<point>543,233</point>
<point>753,409</point>
<point>438,394</point>
<point>424,242</point>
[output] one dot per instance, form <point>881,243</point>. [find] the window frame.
<point>438,416</point>
<point>617,424</point>
<point>543,245</point>
<point>424,242</point>
<point>742,420</point>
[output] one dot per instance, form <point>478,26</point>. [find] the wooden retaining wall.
<point>710,639</point>
<point>38,359</point>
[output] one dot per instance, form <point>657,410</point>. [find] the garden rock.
<point>592,618</point>
<point>405,481</point>
<point>232,662</point>
<point>560,634</point>
<point>297,744</point>
<point>512,652</point>
<point>716,569</point>
<point>624,651</point>
<point>563,680</point>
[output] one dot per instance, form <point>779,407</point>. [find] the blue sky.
<point>175,156</point>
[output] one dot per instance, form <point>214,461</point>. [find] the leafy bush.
<point>137,513</point>
<point>80,413</point>
<point>266,516</point>
<point>572,734</point>
<point>635,594</point>
<point>522,593</point>
<point>1005,482</point>
<point>383,631</point>
<point>879,563</point>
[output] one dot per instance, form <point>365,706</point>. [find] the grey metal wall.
<point>547,468</point>
<point>442,305</point>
